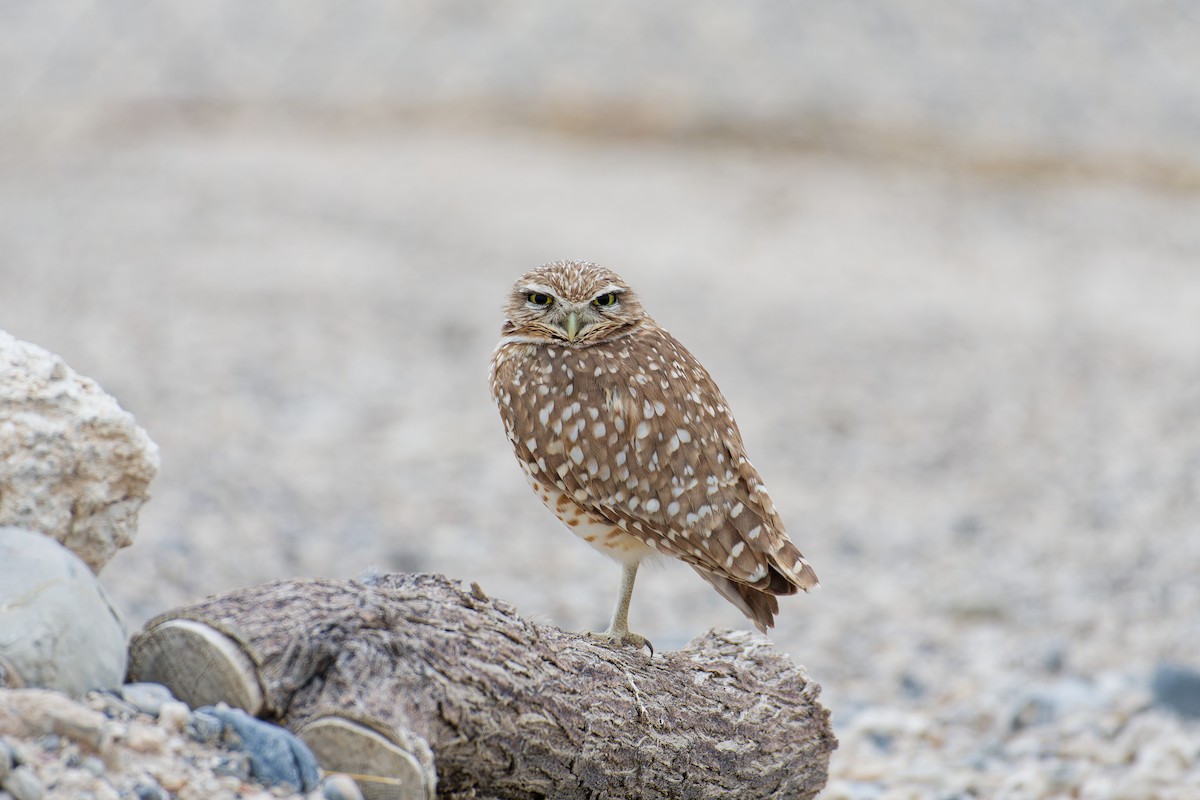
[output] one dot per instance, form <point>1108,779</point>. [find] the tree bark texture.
<point>511,709</point>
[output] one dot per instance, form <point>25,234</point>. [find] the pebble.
<point>233,765</point>
<point>23,784</point>
<point>111,705</point>
<point>93,765</point>
<point>173,716</point>
<point>148,789</point>
<point>8,759</point>
<point>340,787</point>
<point>146,697</point>
<point>146,740</point>
<point>172,781</point>
<point>205,727</point>
<point>1177,688</point>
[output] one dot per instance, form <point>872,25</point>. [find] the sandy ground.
<point>976,399</point>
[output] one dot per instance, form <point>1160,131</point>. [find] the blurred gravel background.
<point>944,261</point>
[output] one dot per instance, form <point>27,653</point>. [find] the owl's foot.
<point>621,639</point>
<point>618,633</point>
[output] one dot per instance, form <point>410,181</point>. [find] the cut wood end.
<point>382,767</point>
<point>200,665</point>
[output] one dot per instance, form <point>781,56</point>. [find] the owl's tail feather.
<point>759,606</point>
<point>787,573</point>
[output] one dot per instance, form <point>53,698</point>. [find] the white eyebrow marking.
<point>539,288</point>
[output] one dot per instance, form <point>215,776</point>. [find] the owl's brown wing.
<point>659,455</point>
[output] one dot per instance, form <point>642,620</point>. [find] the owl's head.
<point>571,302</point>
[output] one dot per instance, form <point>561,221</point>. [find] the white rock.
<point>1026,780</point>
<point>58,628</point>
<point>173,715</point>
<point>23,784</point>
<point>146,697</point>
<point>73,464</point>
<point>1166,758</point>
<point>340,787</point>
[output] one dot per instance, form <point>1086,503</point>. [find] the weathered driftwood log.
<point>504,707</point>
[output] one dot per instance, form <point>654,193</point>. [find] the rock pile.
<point>74,471</point>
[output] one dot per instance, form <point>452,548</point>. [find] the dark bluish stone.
<point>1177,688</point>
<point>277,757</point>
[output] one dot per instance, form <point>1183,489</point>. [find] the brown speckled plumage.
<point>625,436</point>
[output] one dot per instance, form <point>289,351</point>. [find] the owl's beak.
<point>572,326</point>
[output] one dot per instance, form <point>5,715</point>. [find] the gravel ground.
<point>105,747</point>
<point>1104,86</point>
<point>976,400</point>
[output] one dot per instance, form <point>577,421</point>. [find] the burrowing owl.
<point>625,436</point>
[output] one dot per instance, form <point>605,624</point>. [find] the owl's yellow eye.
<point>605,300</point>
<point>539,299</point>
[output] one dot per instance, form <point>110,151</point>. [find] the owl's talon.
<point>626,639</point>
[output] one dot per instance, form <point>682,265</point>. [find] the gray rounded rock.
<point>58,627</point>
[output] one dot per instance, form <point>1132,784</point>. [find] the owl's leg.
<point>618,632</point>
